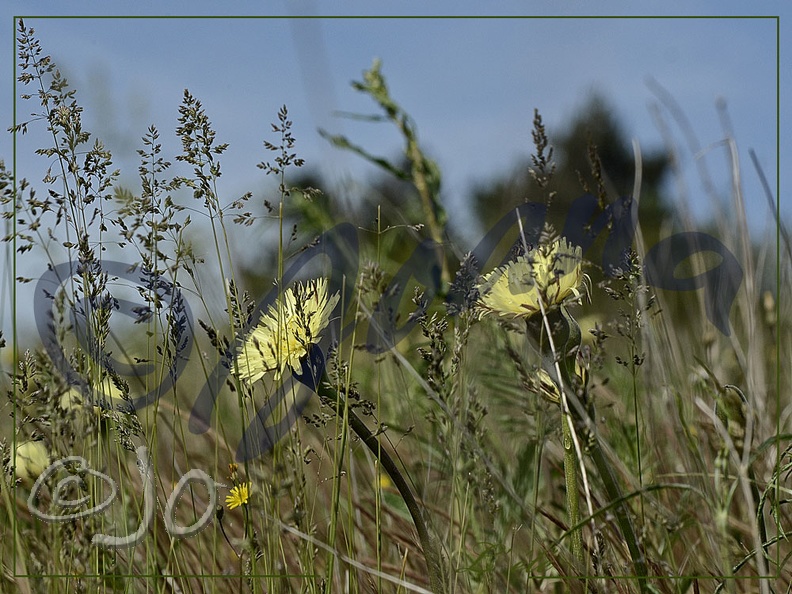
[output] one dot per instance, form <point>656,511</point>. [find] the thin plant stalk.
<point>570,455</point>
<point>567,335</point>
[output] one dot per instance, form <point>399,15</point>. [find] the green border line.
<point>15,20</point>
<point>15,357</point>
<point>778,270</point>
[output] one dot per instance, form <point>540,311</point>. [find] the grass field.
<point>383,414</point>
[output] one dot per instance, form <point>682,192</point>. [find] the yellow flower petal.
<point>239,495</point>
<point>286,330</point>
<point>551,273</point>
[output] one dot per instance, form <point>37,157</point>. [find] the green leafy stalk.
<point>570,479</point>
<point>423,171</point>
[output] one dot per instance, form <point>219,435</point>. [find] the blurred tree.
<point>592,155</point>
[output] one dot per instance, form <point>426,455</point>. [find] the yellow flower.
<point>551,273</point>
<point>286,330</point>
<point>240,495</point>
<point>30,460</point>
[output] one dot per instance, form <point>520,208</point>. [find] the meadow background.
<point>456,401</point>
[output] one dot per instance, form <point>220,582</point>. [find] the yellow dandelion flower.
<point>30,460</point>
<point>240,495</point>
<point>286,330</point>
<point>550,272</point>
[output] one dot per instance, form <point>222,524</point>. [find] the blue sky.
<point>470,84</point>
